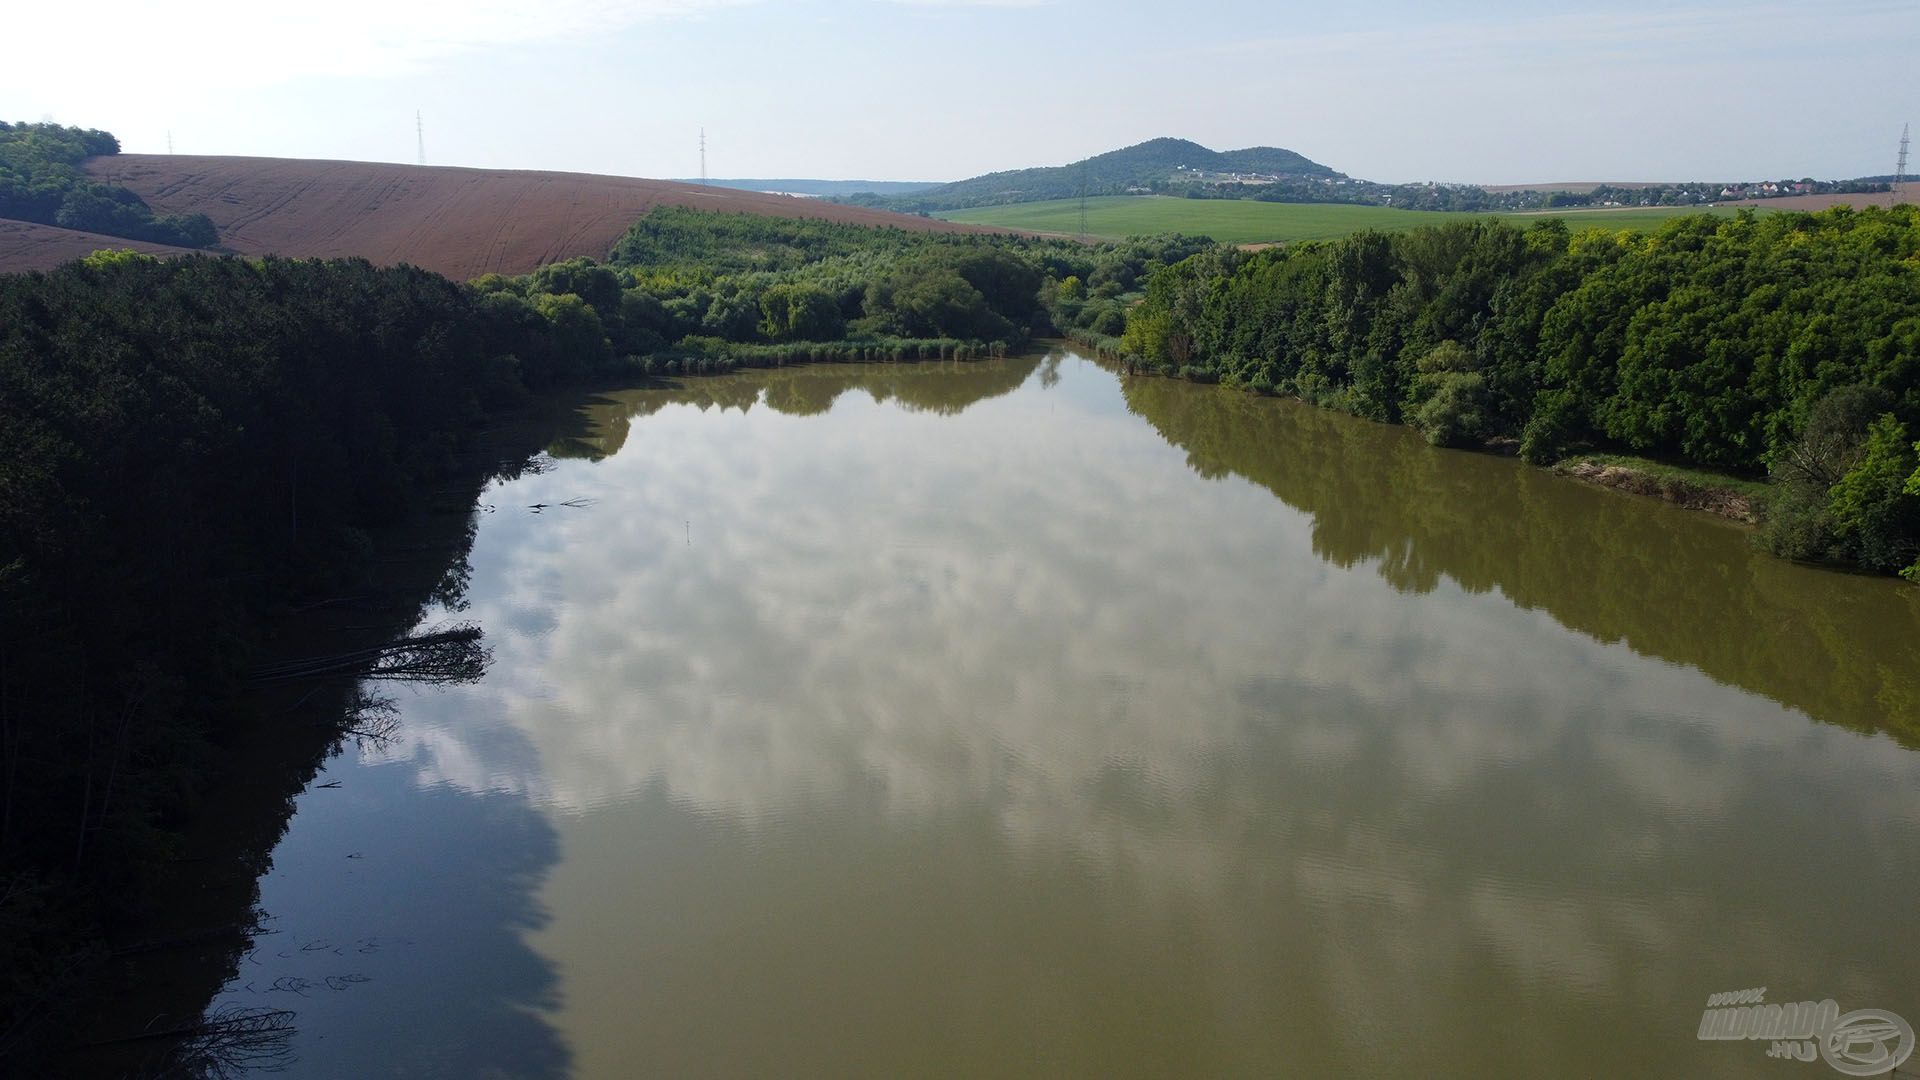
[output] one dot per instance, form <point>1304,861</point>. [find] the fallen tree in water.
<point>451,655</point>
<point>224,1043</point>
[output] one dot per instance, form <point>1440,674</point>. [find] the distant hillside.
<point>458,222</point>
<point>825,187</point>
<point>1150,166</point>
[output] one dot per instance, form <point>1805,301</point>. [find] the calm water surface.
<point>1016,718</point>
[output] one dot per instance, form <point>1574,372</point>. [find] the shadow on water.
<point>399,953</point>
<point>1670,583</point>
<point>163,1013</point>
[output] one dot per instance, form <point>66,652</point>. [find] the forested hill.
<point>1148,166</point>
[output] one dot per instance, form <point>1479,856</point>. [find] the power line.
<point>1900,170</point>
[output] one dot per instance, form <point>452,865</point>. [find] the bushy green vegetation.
<point>41,180</point>
<point>1711,343</point>
<point>696,291</point>
<point>756,281</point>
<point>1245,221</point>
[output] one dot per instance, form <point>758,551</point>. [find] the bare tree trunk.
<point>127,713</point>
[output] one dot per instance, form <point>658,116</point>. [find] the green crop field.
<point>1242,221</point>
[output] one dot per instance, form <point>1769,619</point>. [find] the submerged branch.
<point>224,1043</point>
<point>439,656</point>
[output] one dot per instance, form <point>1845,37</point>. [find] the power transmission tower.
<point>1900,170</point>
<point>169,142</point>
<point>703,157</point>
<point>420,133</point>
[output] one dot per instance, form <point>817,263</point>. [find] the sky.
<point>1497,92</point>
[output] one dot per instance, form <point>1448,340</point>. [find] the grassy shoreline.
<point>1732,497</point>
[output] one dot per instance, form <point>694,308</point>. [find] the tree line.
<point>688,291</point>
<point>42,180</point>
<point>1786,345</point>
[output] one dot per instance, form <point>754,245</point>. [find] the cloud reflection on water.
<point>1030,610</point>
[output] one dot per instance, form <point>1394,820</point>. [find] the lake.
<point>1021,718</point>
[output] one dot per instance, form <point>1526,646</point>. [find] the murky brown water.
<point>1019,719</point>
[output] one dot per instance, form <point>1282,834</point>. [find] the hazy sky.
<point>942,89</point>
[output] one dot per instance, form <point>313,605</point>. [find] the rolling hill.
<point>1156,162</point>
<point>459,222</point>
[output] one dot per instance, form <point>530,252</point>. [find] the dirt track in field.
<point>27,246</point>
<point>459,222</point>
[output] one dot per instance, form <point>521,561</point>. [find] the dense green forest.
<point>41,180</point>
<point>1787,345</point>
